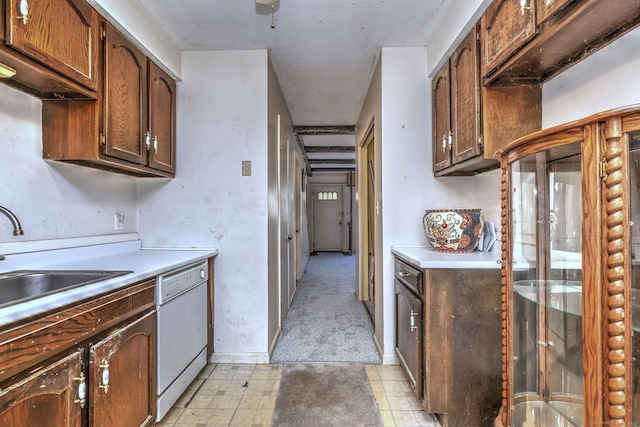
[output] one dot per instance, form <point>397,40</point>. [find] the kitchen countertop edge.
<point>143,262</point>
<point>426,257</point>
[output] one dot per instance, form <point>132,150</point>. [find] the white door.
<point>328,217</point>
<point>287,221</point>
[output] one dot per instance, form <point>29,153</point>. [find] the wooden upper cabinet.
<point>130,129</point>
<point>465,100</point>
<point>547,9</point>
<point>507,25</point>
<point>48,397</point>
<point>125,95</point>
<point>162,119</point>
<point>61,34</point>
<point>531,41</point>
<point>441,118</point>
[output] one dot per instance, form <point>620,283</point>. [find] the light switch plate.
<point>246,168</point>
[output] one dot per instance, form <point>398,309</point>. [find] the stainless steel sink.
<point>24,285</point>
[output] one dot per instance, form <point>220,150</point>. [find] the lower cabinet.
<point>50,397</point>
<point>460,353</point>
<point>121,376</point>
<point>106,379</point>
<point>463,353</point>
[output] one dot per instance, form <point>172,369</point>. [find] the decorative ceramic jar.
<point>453,230</point>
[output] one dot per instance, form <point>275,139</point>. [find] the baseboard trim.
<point>256,358</point>
<point>387,358</point>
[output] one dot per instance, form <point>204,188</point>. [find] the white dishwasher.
<point>181,303</point>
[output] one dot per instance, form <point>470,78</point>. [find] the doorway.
<point>328,210</point>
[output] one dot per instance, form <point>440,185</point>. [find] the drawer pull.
<point>403,274</point>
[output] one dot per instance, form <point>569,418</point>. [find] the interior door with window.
<point>328,217</point>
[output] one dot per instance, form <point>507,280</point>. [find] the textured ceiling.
<point>323,52</point>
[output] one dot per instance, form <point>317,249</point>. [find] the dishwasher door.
<point>409,334</point>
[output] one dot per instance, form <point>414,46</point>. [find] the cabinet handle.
<point>155,144</point>
<point>24,11</point>
<point>82,390</point>
<point>413,321</point>
<point>450,140</point>
<point>147,140</point>
<point>524,7</point>
<point>444,143</point>
<point>105,376</point>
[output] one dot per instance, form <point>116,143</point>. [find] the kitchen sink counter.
<point>427,257</point>
<point>126,254</point>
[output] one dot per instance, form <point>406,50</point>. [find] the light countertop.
<point>144,263</point>
<point>427,257</point>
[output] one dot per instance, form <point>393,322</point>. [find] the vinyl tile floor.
<point>245,395</point>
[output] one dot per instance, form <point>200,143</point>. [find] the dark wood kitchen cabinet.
<point>534,40</point>
<point>461,347</point>
<point>471,122</point>
<point>446,322</point>
<point>121,376</point>
<point>131,127</point>
<point>89,364</point>
<point>50,397</point>
<point>52,45</point>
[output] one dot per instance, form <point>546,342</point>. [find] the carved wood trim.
<point>504,289</point>
<point>616,321</point>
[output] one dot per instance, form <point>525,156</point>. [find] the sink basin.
<point>24,285</point>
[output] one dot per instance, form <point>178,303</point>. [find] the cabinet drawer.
<point>409,276</point>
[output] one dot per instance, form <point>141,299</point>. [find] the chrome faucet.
<point>17,228</point>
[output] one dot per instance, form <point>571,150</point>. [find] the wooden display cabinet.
<point>569,275</point>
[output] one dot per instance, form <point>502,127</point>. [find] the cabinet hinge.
<point>103,33</point>
<point>103,139</point>
<point>603,169</point>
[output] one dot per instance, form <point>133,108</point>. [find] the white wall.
<point>408,186</point>
<point>53,200</point>
<point>222,120</point>
<point>607,79</point>
<point>130,18</point>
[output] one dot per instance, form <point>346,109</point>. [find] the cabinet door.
<point>125,98</point>
<point>50,397</point>
<point>121,374</point>
<point>546,9</point>
<point>162,119</point>
<point>507,25</point>
<point>61,34</point>
<point>441,118</point>
<point>409,333</point>
<point>465,100</point>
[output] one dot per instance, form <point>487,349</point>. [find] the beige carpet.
<point>325,394</point>
<point>326,322</point>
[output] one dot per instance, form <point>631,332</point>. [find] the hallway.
<point>326,326</point>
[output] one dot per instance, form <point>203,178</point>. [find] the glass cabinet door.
<point>546,278</point>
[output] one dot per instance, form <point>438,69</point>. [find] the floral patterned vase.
<point>453,230</point>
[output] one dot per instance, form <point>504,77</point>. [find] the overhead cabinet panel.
<point>125,112</point>
<point>61,34</point>
<point>507,25</point>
